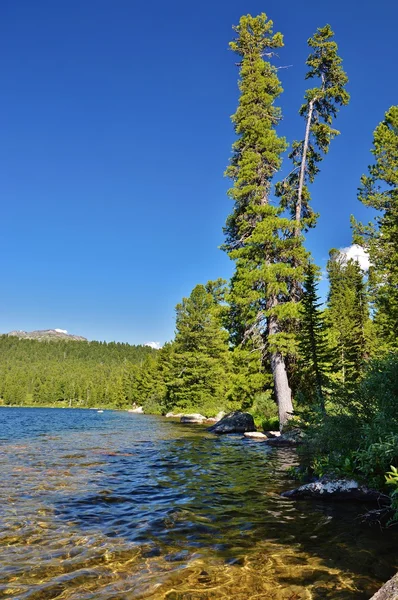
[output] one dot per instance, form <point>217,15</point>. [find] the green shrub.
<point>270,424</point>
<point>392,480</point>
<point>376,395</point>
<point>361,439</point>
<point>328,443</point>
<point>265,411</point>
<point>377,452</point>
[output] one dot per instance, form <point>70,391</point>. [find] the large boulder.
<point>138,410</point>
<point>339,489</point>
<point>234,422</point>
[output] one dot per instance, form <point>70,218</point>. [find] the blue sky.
<point>115,134</point>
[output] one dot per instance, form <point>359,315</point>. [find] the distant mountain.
<point>47,334</point>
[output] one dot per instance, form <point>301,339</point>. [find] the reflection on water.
<point>123,506</point>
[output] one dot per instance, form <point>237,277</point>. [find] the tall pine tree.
<point>379,190</point>
<point>258,238</point>
<point>319,109</point>
<point>312,339</point>
<point>321,104</point>
<point>348,319</point>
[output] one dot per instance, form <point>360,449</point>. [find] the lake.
<point>122,506</point>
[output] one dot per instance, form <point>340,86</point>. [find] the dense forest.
<point>68,373</point>
<point>265,341</point>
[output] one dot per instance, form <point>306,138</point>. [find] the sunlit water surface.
<point>121,506</point>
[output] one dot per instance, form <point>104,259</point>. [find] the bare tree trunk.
<point>283,392</point>
<point>302,167</point>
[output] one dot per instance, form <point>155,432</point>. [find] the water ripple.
<point>120,506</point>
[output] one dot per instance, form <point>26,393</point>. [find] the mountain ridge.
<point>46,335</point>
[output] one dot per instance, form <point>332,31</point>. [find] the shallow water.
<point>114,505</point>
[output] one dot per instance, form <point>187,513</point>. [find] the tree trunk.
<point>302,168</point>
<point>283,392</point>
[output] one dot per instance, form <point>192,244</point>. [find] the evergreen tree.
<point>319,109</point>
<point>312,338</point>
<point>116,394</point>
<point>348,319</point>
<point>247,377</point>
<point>379,190</point>
<point>200,363</point>
<point>258,238</point>
<point>149,384</point>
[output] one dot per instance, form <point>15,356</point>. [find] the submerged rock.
<point>255,435</point>
<point>389,591</point>
<point>194,418</point>
<point>339,489</point>
<point>234,422</point>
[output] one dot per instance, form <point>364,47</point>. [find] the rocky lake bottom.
<point>112,505</point>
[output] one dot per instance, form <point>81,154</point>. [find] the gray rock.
<point>389,591</point>
<point>339,489</point>
<point>255,435</point>
<point>234,422</point>
<point>194,418</point>
<point>171,415</point>
<point>138,410</point>
<point>215,419</point>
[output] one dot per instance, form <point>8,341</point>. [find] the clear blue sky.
<point>114,136</point>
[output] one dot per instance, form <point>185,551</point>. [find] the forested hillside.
<point>68,373</point>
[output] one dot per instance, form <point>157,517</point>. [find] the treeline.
<point>201,371</point>
<point>68,373</point>
<point>205,370</point>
